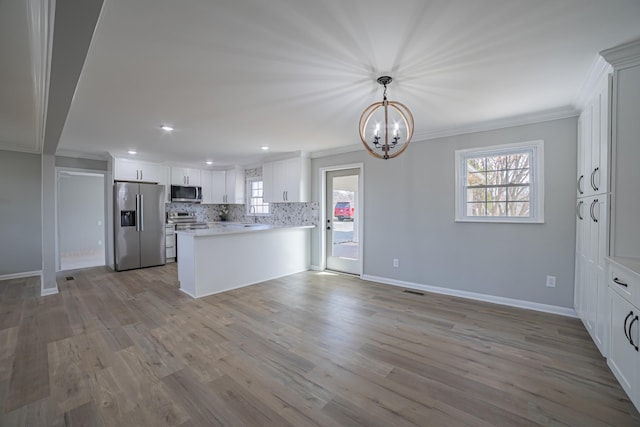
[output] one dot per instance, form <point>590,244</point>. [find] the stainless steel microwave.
<point>183,194</point>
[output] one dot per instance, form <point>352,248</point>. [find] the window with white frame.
<point>500,183</point>
<point>255,202</point>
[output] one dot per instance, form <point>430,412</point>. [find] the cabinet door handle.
<point>580,180</point>
<point>579,210</point>
<point>141,174</point>
<point>593,179</point>
<point>137,174</point>
<point>626,319</point>
<point>618,282</point>
<point>591,211</point>
<point>595,203</point>
<point>635,319</point>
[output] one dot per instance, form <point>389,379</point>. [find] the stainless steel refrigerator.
<point>139,225</point>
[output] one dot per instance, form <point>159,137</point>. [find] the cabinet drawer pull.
<point>626,319</point>
<point>635,319</point>
<point>580,190</point>
<point>618,282</point>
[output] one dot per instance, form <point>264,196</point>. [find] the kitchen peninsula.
<point>232,255</point>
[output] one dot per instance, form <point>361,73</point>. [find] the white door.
<point>343,220</point>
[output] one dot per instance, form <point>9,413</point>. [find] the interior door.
<point>343,221</point>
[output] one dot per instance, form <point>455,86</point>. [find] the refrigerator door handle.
<point>141,212</point>
<point>137,212</point>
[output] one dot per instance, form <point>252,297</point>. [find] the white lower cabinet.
<point>624,339</point>
<point>591,298</point>
<point>624,358</point>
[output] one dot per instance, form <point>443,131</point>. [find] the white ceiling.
<point>17,93</point>
<point>296,74</point>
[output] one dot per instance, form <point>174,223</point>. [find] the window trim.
<point>536,179</point>
<point>248,197</point>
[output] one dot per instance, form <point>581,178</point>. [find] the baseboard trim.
<point>21,275</point>
<point>301,270</point>
<point>51,291</point>
<point>315,268</point>
<point>545,308</point>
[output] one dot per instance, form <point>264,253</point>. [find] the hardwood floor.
<point>128,349</point>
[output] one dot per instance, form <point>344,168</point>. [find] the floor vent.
<point>413,292</point>
<point>70,278</point>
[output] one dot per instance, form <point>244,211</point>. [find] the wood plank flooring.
<point>312,349</point>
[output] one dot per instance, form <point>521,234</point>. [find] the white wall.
<point>20,208</point>
<point>81,221</point>
<point>409,215</point>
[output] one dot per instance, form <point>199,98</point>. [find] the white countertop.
<point>631,264</point>
<point>225,228</point>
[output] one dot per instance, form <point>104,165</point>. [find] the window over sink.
<point>255,197</point>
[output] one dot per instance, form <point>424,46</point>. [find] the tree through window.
<point>500,183</point>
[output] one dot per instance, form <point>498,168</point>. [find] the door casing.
<point>323,212</point>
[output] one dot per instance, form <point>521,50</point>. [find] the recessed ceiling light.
<point>209,162</point>
<point>264,147</point>
<point>132,151</point>
<point>166,128</point>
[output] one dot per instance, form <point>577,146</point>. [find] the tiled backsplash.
<point>281,213</point>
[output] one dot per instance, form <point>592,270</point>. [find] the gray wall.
<point>77,163</point>
<point>409,215</point>
<point>20,209</point>
<point>81,213</point>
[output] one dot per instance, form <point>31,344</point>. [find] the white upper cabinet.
<point>185,176</point>
<point>134,170</point>
<point>593,143</point>
<point>287,180</point>
<point>218,186</point>
<point>234,186</point>
<point>205,181</point>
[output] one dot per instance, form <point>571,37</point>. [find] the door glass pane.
<point>345,239</point>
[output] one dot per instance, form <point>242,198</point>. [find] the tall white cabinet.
<point>592,207</point>
<point>624,260</point>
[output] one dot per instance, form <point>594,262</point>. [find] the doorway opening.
<point>80,223</point>
<point>343,219</point>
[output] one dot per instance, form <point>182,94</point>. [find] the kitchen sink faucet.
<point>255,216</point>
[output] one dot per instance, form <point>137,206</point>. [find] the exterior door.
<point>343,221</point>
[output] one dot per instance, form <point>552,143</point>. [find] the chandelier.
<point>386,127</point>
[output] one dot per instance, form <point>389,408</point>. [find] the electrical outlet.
<point>396,262</point>
<point>551,281</point>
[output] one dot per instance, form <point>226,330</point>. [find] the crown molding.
<point>10,147</point>
<point>598,71</point>
<point>337,150</point>
<point>623,56</point>
<point>41,19</point>
<point>525,119</point>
